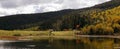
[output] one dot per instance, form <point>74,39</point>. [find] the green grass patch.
<point>35,33</point>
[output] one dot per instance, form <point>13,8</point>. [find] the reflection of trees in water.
<point>79,43</point>
<point>83,43</point>
<point>117,43</point>
<point>97,43</point>
<point>63,44</point>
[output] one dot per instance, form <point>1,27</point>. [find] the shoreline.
<point>109,36</point>
<point>30,38</point>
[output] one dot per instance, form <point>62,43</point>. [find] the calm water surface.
<point>78,43</point>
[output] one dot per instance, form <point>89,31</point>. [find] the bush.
<point>99,29</point>
<point>17,35</point>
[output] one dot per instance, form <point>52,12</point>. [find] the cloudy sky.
<point>10,7</point>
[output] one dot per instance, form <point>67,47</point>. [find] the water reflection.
<point>117,43</point>
<point>78,43</point>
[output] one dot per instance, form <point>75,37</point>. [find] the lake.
<point>51,43</point>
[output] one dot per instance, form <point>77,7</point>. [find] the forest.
<point>102,19</point>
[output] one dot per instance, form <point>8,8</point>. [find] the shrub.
<point>17,35</point>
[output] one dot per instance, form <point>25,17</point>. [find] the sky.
<point>11,7</point>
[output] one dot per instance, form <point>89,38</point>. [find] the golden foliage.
<point>105,22</point>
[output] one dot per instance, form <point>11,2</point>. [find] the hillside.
<point>105,22</point>
<point>81,19</point>
<point>23,21</point>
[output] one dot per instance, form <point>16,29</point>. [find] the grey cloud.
<point>17,3</point>
<point>59,1</point>
<point>8,4</point>
<point>2,13</point>
<point>39,9</point>
<point>44,5</point>
<point>101,1</point>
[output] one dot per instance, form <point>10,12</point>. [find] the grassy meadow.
<point>23,35</point>
<point>35,33</point>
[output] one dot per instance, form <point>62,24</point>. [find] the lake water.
<point>78,43</point>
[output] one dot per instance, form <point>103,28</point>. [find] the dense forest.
<point>99,19</point>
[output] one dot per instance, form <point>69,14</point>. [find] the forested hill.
<point>110,4</point>
<point>23,21</point>
<point>85,19</point>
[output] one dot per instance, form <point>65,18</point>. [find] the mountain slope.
<point>59,20</point>
<point>23,21</point>
<point>110,4</point>
<point>105,22</point>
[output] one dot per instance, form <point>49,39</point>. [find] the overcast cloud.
<point>10,7</point>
